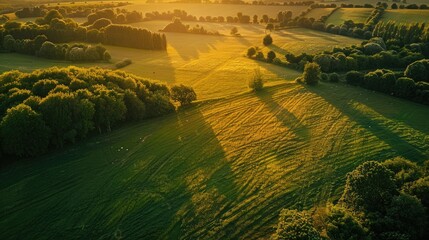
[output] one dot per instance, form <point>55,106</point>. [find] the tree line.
<point>372,54</point>
<point>412,84</point>
<point>382,201</point>
<point>50,108</point>
<point>70,10</point>
<point>41,47</point>
<point>61,30</point>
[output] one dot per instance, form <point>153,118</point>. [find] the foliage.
<point>270,56</point>
<point>418,70</point>
<point>23,132</point>
<point>369,187</point>
<point>295,225</point>
<point>341,225</point>
<point>405,87</point>
<point>372,48</point>
<point>268,40</point>
<point>123,63</point>
<point>334,77</point>
<point>121,35</point>
<point>405,171</point>
<point>73,104</point>
<point>183,94</point>
<point>311,75</point>
<point>256,83</point>
<point>251,52</point>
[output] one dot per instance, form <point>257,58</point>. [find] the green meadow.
<point>222,168</point>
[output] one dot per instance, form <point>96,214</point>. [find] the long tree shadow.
<point>135,184</point>
<point>282,33</point>
<point>288,119</point>
<point>398,144</point>
<point>190,46</point>
<point>400,109</point>
<point>278,49</point>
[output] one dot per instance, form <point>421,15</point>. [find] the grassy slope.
<point>317,13</point>
<point>358,15</point>
<point>224,168</point>
<point>214,65</point>
<point>406,16</point>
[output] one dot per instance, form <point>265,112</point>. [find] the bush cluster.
<point>49,108</point>
<point>41,47</point>
<point>413,85</point>
<point>387,200</point>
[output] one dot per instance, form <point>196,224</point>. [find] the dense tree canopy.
<point>369,187</point>
<point>23,132</point>
<point>295,225</point>
<point>58,106</point>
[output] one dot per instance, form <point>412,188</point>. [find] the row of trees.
<point>70,10</point>
<point>412,85</point>
<point>388,200</point>
<point>127,36</point>
<point>52,107</point>
<point>404,33</point>
<point>120,17</point>
<point>41,47</point>
<point>60,30</point>
<point>372,54</point>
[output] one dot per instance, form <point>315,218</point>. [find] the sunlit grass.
<point>406,16</point>
<point>223,168</point>
<point>357,15</point>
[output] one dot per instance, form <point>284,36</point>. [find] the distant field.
<point>215,9</point>
<point>304,40</point>
<point>221,170</point>
<point>406,16</point>
<point>317,13</point>
<point>215,66</point>
<point>358,15</point>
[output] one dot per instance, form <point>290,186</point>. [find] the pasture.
<point>357,15</point>
<point>220,169</point>
<point>215,66</point>
<point>406,16</point>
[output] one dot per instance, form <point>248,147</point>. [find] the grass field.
<point>358,15</point>
<point>215,66</point>
<point>317,13</point>
<point>406,16</point>
<point>222,169</point>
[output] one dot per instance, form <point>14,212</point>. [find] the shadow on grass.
<point>282,33</point>
<point>284,116</point>
<point>189,46</point>
<point>398,144</point>
<point>278,49</point>
<point>100,190</point>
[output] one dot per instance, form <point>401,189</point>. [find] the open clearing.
<point>357,15</point>
<point>222,169</point>
<point>406,16</point>
<point>215,66</point>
